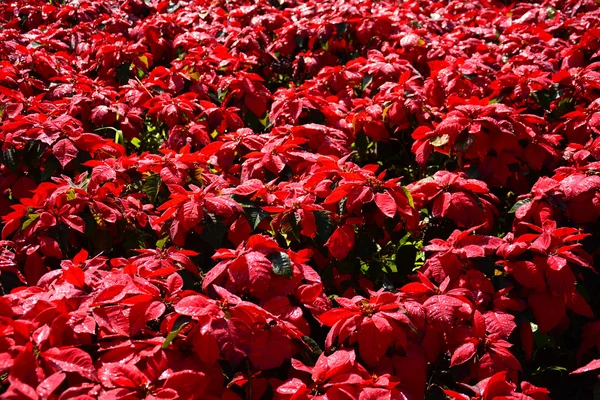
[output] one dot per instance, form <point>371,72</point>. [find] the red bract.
<point>485,352</point>
<point>550,273</point>
<point>163,262</point>
<point>467,202</point>
<point>128,380</point>
<point>172,111</point>
<point>289,104</point>
<point>451,256</point>
<point>261,268</point>
<point>577,193</point>
<point>189,208</point>
<point>487,137</point>
<point>498,386</point>
<point>242,329</point>
<point>362,187</point>
<point>296,207</point>
<point>27,379</point>
<point>342,240</point>
<point>375,324</point>
<point>338,376</point>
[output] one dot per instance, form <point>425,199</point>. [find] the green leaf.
<point>518,204</point>
<point>264,120</point>
<point>177,328</point>
<point>596,391</point>
<point>367,81</point>
<point>160,243</point>
<point>119,139</point>
<point>365,247</point>
<point>172,8</point>
<point>34,152</point>
<point>9,158</point>
<point>411,202</point>
<point>123,73</point>
<point>545,97</point>
<point>151,186</point>
<point>71,195</point>
<point>139,72</point>
<point>312,345</point>
<point>281,263</point>
<point>464,145</point>
<point>214,231</point>
<point>30,219</point>
<point>50,168</point>
<point>556,368</point>
<point>324,225</point>
<point>564,106</point>
<point>341,28</point>
<point>255,215</point>
<point>440,141</point>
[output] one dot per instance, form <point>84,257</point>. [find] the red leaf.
<point>386,204</point>
<point>190,214</point>
<point>50,247</point>
<point>330,317</point>
<point>122,375</point>
<point>308,223</point>
<point>500,349</point>
<point>80,257</point>
<point>269,349</point>
<point>499,322</point>
<point>50,384</point>
<point>294,387</point>
<point>527,273</point>
<point>526,339</point>
<point>479,325</point>
<point>188,384</point>
<point>415,288</point>
<point>110,294</point>
<point>375,336</point>
<point>196,306</point>
<point>463,354</point>
<point>206,347</point>
<point>591,366</point>
<point>64,151</point>
<point>142,313</point>
<point>445,309</point>
<point>337,363</point>
<point>548,310</point>
<point>339,193</point>
<point>75,276</point>
<point>72,359</point>
<point>19,391</point>
<point>341,242</point>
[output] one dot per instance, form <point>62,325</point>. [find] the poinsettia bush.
<point>290,199</point>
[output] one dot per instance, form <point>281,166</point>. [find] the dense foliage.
<point>358,199</point>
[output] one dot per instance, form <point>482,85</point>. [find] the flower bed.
<point>299,199</point>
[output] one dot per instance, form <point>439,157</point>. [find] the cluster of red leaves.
<point>203,199</point>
